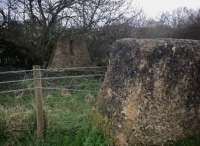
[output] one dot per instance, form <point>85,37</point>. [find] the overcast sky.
<point>153,8</point>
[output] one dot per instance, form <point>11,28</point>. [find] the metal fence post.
<point>39,101</point>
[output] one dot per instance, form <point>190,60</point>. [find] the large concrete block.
<point>151,92</point>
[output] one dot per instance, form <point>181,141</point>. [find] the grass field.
<point>70,120</point>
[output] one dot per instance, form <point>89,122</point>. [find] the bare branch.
<point>4,17</point>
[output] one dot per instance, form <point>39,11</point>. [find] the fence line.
<point>37,78</point>
<point>45,88</point>
<point>14,72</point>
<point>15,81</point>
<point>70,86</point>
<point>49,78</point>
<point>17,90</point>
<point>54,78</point>
<point>69,77</point>
<point>53,69</point>
<point>65,89</point>
<point>73,68</point>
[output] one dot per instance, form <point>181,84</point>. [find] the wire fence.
<point>102,68</point>
<point>52,79</point>
<point>25,92</point>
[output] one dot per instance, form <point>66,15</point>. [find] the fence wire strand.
<point>72,69</point>
<point>70,77</point>
<point>54,78</point>
<point>53,69</point>
<point>15,72</point>
<point>65,89</point>
<point>17,90</point>
<point>15,81</point>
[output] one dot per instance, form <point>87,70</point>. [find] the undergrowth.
<point>70,120</point>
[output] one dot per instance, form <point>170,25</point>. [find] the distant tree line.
<point>182,23</point>
<point>32,27</point>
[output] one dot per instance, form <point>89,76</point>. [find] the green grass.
<point>192,141</point>
<point>70,120</point>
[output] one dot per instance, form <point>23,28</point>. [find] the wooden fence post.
<point>39,101</point>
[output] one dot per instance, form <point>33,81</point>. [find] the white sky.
<point>153,8</point>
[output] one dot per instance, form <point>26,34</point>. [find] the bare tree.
<point>184,22</point>
<point>2,18</point>
<point>90,14</point>
<point>42,17</point>
<point>45,20</point>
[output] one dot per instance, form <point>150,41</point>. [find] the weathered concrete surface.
<point>151,92</point>
<point>70,53</point>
